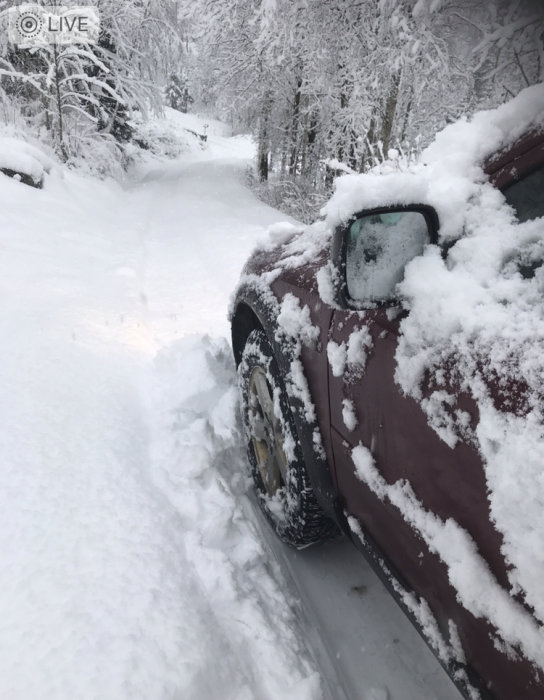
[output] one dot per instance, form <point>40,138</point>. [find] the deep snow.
<point>133,564</point>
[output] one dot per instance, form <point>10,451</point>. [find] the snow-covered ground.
<point>133,562</point>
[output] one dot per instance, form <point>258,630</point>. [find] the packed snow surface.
<point>132,563</point>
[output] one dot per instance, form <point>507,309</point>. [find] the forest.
<point>324,86</point>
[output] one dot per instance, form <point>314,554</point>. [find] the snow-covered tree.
<point>85,93</point>
<point>343,80</point>
<point>177,93</point>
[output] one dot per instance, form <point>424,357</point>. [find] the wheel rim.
<point>266,432</point>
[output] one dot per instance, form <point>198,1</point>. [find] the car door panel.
<point>404,446</point>
<point>448,482</point>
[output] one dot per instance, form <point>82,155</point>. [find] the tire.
<point>279,475</point>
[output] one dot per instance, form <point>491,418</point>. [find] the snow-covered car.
<point>391,366</point>
<point>23,162</point>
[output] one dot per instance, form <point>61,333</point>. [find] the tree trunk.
<point>406,118</point>
<point>264,140</point>
<point>58,98</point>
<point>283,153</point>
<point>389,115</point>
<point>304,147</point>
<point>294,130</point>
<point>367,161</point>
<point>312,155</point>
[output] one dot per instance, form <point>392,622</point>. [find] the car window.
<point>526,196</point>
<point>379,246</point>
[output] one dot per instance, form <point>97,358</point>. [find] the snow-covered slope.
<point>131,564</point>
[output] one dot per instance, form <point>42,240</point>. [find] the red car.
<point>324,336</point>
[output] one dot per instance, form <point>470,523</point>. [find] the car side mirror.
<point>371,251</point>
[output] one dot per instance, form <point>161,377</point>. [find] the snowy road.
<point>133,563</point>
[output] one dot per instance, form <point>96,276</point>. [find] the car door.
<point>369,409</point>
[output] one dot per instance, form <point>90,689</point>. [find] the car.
<point>24,162</point>
<point>391,361</point>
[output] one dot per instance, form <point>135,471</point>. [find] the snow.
<point>358,346</point>
<point>24,158</point>
<point>326,279</point>
<point>336,355</point>
<point>467,570</point>
<point>348,414</point>
<point>198,433</point>
<point>294,321</point>
<point>335,164</point>
<point>490,317</point>
<point>133,563</point>
<point>298,245</point>
<point>353,193</point>
<point>362,639</point>
<point>349,358</point>
<point>278,234</point>
<point>128,569</point>
<point>449,172</point>
<point>294,330</point>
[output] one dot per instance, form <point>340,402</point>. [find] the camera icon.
<point>29,24</point>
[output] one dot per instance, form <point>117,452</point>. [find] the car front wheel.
<point>278,471</point>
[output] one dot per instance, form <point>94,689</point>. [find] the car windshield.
<point>525,196</point>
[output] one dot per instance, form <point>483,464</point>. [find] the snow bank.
<point>24,158</point>
<point>254,650</point>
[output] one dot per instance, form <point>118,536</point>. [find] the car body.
<point>352,418</point>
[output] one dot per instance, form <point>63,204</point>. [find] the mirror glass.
<point>379,246</point>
